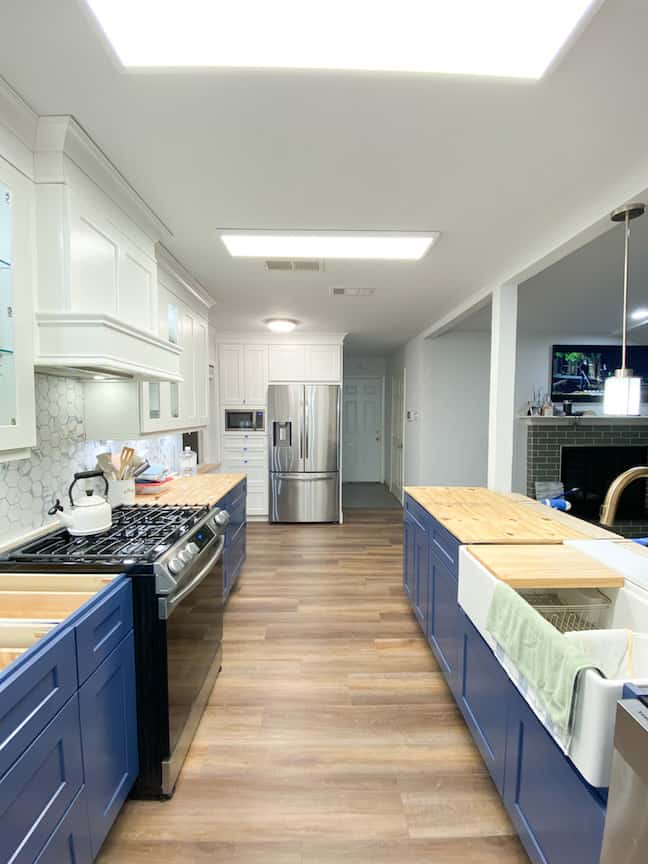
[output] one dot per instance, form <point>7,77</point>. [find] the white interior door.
<point>363,430</point>
<point>397,434</point>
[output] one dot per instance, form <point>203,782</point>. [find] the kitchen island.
<point>558,814</point>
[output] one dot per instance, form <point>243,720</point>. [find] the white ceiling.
<point>490,163</point>
<point>582,294</point>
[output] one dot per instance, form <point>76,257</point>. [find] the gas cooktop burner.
<point>138,534</point>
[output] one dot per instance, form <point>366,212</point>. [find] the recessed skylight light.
<point>388,246</point>
<point>511,38</point>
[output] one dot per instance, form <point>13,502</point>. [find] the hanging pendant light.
<point>622,394</point>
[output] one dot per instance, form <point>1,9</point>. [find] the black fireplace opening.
<point>586,474</point>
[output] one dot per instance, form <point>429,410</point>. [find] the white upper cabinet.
<point>256,374</point>
<point>243,375</point>
<point>97,300</point>
<point>17,274</point>
<point>232,387</point>
<point>287,363</point>
<point>323,362</point>
<point>305,363</point>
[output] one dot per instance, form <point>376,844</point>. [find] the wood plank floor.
<point>330,735</point>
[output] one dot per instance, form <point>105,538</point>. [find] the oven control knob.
<point>192,549</point>
<point>221,519</point>
<point>175,565</point>
<point>185,555</point>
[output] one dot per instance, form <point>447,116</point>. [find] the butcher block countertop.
<point>545,567</point>
<point>201,489</point>
<point>477,515</point>
<point>589,529</point>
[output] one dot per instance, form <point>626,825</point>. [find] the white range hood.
<point>97,299</point>
<point>85,345</point>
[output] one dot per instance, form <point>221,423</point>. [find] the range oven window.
<point>194,633</point>
<point>244,420</point>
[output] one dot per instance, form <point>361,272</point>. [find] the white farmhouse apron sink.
<point>593,733</point>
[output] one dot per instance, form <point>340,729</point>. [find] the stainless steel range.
<point>174,557</point>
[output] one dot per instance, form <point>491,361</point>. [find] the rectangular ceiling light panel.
<point>390,246</point>
<point>508,38</point>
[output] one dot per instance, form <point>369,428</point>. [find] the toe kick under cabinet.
<point>68,739</point>
<point>557,814</point>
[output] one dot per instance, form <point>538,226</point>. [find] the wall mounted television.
<point>578,372</point>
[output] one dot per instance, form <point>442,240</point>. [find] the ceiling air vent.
<point>300,265</point>
<point>341,291</point>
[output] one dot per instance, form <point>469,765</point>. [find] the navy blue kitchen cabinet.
<point>422,582</point>
<point>444,632</point>
<point>484,699</point>
<point>416,580</point>
<point>430,582</point>
<point>409,557</point>
<point>37,790</point>
<point>100,630</point>
<point>109,738</point>
<point>70,843</point>
<point>68,738</point>
<point>558,816</point>
<point>235,549</point>
<point>32,693</point>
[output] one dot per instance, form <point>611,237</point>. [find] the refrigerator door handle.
<point>306,429</point>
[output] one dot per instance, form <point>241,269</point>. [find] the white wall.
<point>447,386</point>
<point>364,365</point>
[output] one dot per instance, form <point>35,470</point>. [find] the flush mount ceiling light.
<point>622,393</point>
<point>509,38</point>
<point>281,325</point>
<point>385,246</point>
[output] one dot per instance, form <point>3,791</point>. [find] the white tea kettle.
<point>89,514</point>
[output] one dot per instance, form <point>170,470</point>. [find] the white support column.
<point>501,416</point>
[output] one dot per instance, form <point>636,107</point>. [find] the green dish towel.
<point>549,662</point>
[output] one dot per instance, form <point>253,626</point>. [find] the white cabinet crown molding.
<point>61,137</point>
<point>171,267</point>
<point>17,130</point>
<point>230,337</point>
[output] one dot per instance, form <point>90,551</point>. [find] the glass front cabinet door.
<point>17,254</point>
<point>7,338</point>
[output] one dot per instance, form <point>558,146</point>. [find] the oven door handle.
<point>167,605</point>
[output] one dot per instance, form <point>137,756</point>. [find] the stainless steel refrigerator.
<point>304,442</point>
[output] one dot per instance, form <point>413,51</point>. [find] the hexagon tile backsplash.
<point>28,487</point>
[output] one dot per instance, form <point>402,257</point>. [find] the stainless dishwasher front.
<point>625,840</point>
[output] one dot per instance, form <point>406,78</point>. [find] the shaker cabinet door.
<point>232,375</point>
<point>256,375</point>
<point>444,624</point>
<point>109,738</point>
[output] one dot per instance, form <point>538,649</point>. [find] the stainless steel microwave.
<point>245,420</point>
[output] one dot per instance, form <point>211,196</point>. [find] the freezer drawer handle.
<point>306,479</point>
